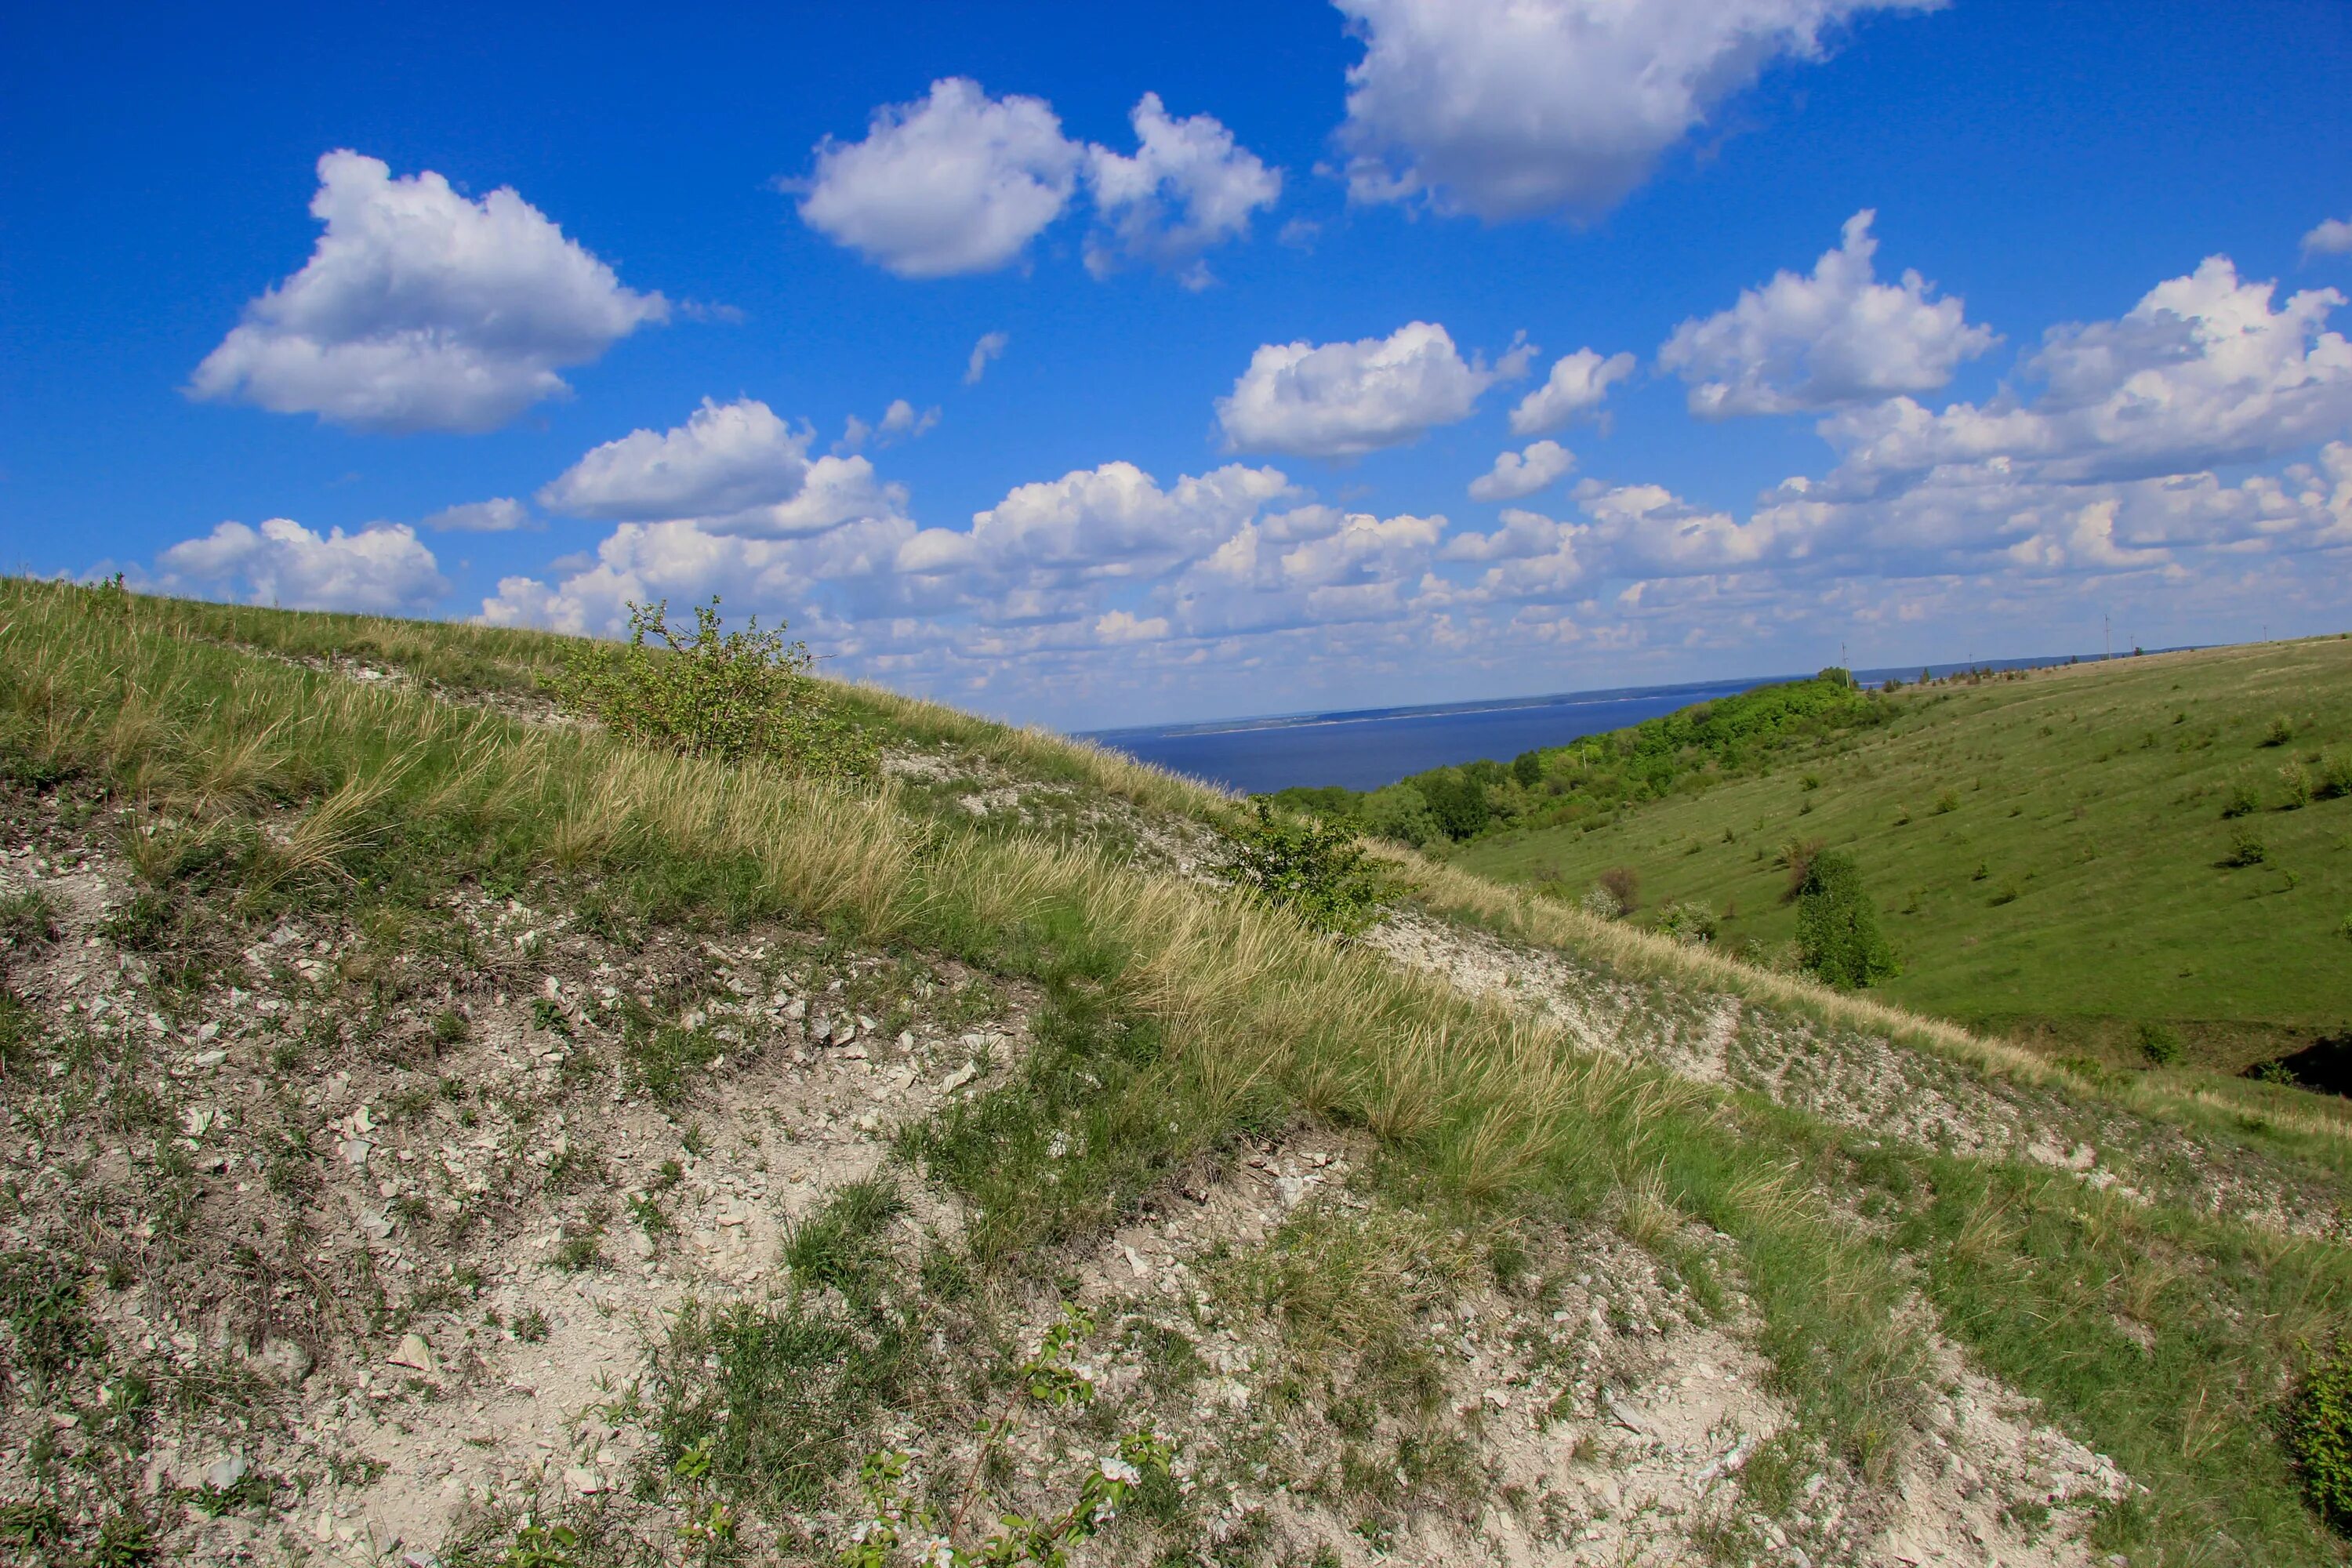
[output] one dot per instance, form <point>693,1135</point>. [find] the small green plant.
<point>1315,868</point>
<point>540,1546</point>
<point>530,1325</point>
<point>2319,1436</point>
<point>2295,785</point>
<point>1690,922</point>
<point>27,919</point>
<point>2243,800</point>
<point>1809,782</point>
<point>737,696</point>
<point>2246,848</point>
<point>449,1027</point>
<point>2160,1043</point>
<point>1947,801</point>
<point>2280,732</point>
<point>1838,937</point>
<point>2277,1073</point>
<point>896,1510</point>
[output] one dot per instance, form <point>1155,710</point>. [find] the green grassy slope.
<point>2048,850</point>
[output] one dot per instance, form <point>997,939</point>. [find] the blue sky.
<point>1276,287</point>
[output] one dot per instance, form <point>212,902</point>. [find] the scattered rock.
<point>415,1355</point>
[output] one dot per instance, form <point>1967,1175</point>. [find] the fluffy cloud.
<point>383,571</point>
<point>420,310</point>
<point>1518,474</point>
<point>1115,520</point>
<point>1837,336</point>
<point>2332,237</point>
<point>502,515</point>
<point>991,346</point>
<point>1511,108</point>
<point>1578,385</point>
<point>956,182</point>
<point>726,459</point>
<point>962,182</point>
<point>1337,400</point>
<point>1188,187</point>
<point>1084,593</point>
<point>2202,372</point>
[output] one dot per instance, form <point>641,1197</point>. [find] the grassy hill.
<point>434,1124</point>
<point>2062,856</point>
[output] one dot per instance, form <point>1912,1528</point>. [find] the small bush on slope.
<point>2319,1436</point>
<point>734,696</point>
<point>1315,869</point>
<point>1837,925</point>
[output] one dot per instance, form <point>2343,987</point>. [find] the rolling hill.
<point>442,1121</point>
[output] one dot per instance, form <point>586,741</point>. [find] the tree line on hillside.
<point>1589,780</point>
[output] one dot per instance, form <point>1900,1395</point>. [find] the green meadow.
<point>2063,857</point>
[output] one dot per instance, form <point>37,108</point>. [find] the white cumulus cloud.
<point>502,514</point>
<point>1578,385</point>
<point>1188,187</point>
<point>1336,400</point>
<point>1511,108</point>
<point>2331,238</point>
<point>956,182</point>
<point>420,310</point>
<point>383,571</point>
<point>1836,336</point>
<point>2202,371</point>
<point>726,459</point>
<point>1522,473</point>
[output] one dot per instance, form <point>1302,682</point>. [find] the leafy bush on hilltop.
<point>1838,937</point>
<point>1316,869</point>
<point>735,696</point>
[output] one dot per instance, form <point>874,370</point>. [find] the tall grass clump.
<point>733,696</point>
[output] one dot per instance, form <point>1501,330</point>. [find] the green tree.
<point>1837,925</point>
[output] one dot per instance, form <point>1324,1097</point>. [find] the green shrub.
<point>1625,884</point>
<point>1527,768</point>
<point>1947,801</point>
<point>1838,937</point>
<point>2280,732</point>
<point>2242,801</point>
<point>1689,922</point>
<point>1601,904</point>
<point>2335,772</point>
<point>1316,869</point>
<point>2246,848</point>
<point>2295,782</point>
<point>2159,1045</point>
<point>736,696</point>
<point>2319,1436</point>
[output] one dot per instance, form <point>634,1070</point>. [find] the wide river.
<point>1370,747</point>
